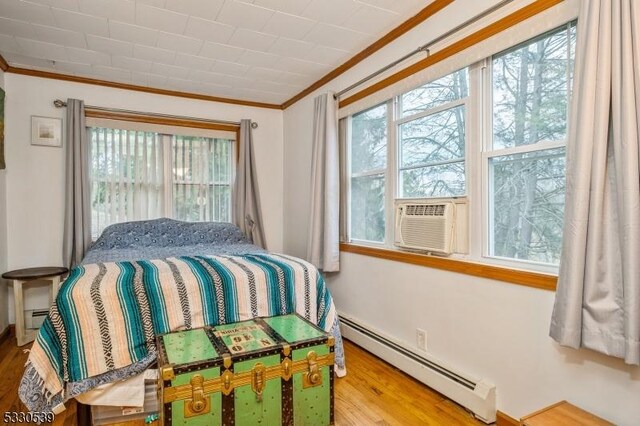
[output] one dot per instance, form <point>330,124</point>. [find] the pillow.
<point>168,233</point>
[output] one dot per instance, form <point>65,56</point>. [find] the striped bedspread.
<point>106,315</point>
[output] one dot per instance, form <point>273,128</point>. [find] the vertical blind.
<point>147,172</point>
<point>201,178</point>
<point>127,176</point>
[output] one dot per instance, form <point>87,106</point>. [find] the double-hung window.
<point>141,173</point>
<point>431,138</point>
<point>368,170</point>
<point>492,134</point>
<point>530,89</point>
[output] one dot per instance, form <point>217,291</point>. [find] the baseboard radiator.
<point>478,396</point>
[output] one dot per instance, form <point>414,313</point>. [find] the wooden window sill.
<point>513,276</point>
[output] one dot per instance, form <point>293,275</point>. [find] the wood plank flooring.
<point>372,393</point>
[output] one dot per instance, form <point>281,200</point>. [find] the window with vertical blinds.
<point>147,172</point>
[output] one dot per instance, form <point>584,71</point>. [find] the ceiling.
<point>257,50</point>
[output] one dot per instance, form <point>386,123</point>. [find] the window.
<point>493,132</point>
<point>432,138</point>
<point>138,175</point>
<point>368,166</point>
<point>201,179</point>
<point>530,90</point>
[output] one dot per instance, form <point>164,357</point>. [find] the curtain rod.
<point>61,104</point>
<point>424,47</point>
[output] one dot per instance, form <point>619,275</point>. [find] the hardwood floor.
<point>372,393</point>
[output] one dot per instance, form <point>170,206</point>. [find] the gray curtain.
<point>323,246</point>
<point>598,297</point>
<point>246,213</point>
<point>77,213</point>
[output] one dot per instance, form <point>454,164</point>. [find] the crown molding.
<point>4,66</point>
<point>135,88</point>
<point>392,35</point>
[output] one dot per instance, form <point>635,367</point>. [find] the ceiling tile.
<point>338,37</point>
<point>72,67</point>
<point>232,80</point>
<point>205,76</point>
<point>60,4</point>
<point>160,19</point>
<point>221,51</point>
<point>81,22</point>
<point>293,48</point>
<point>133,33</point>
<point>148,79</point>
<point>265,74</point>
<point>170,70</point>
<point>119,10</point>
<point>132,64</point>
<point>269,86</point>
<point>16,28</point>
<point>9,44</point>
<point>327,55</point>
<point>109,45</point>
<point>29,12</point>
<point>206,9</point>
<point>182,85</point>
<point>154,54</point>
<point>155,3</point>
<point>208,30</point>
<point>193,62</point>
<point>42,50</point>
<point>372,20</point>
<point>59,36</point>
<point>330,11</point>
<point>244,15</point>
<point>291,26</point>
<point>198,87</point>
<point>253,40</point>
<point>294,7</point>
<point>16,59</point>
<point>232,68</point>
<point>406,7</point>
<point>292,78</point>
<point>85,56</point>
<point>257,59</point>
<point>179,43</point>
<point>260,95</point>
<point>301,67</point>
<point>111,73</point>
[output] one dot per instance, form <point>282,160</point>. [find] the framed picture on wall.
<point>46,131</point>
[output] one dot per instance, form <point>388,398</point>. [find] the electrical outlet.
<point>421,339</point>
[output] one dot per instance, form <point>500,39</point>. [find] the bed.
<point>144,278</point>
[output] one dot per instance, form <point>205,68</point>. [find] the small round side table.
<point>24,276</point>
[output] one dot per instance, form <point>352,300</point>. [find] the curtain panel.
<point>77,213</point>
<point>597,302</point>
<point>247,214</point>
<point>323,247</point>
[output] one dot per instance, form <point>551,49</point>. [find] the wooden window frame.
<point>509,275</point>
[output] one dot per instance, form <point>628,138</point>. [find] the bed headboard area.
<point>161,238</point>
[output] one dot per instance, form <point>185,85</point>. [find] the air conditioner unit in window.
<point>425,225</point>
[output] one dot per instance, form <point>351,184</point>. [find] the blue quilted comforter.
<point>163,238</point>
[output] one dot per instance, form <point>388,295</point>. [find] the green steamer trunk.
<point>265,371</point>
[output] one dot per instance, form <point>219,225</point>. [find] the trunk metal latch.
<point>199,403</point>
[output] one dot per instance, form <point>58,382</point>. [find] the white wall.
<point>4,319</point>
<point>490,329</point>
<point>35,174</point>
